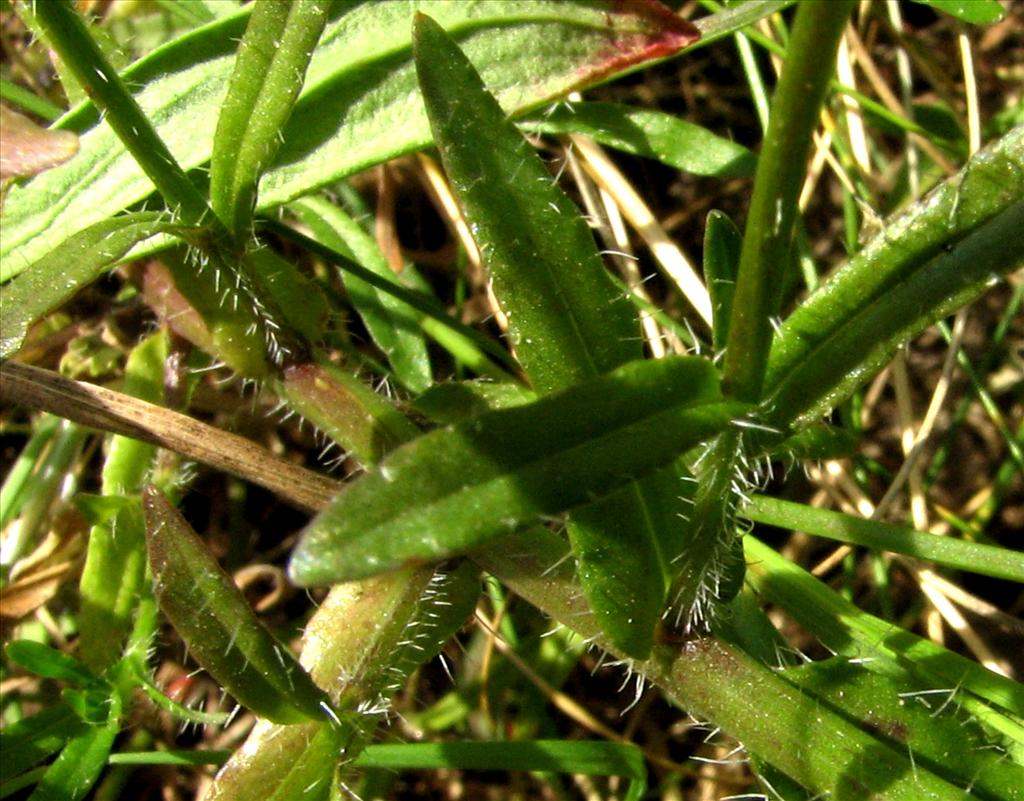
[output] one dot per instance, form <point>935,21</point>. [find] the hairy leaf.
<point>219,627</point>
<point>453,489</point>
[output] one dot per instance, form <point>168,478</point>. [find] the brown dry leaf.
<point>27,149</point>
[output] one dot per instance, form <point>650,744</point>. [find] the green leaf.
<point>269,71</point>
<point>282,763</point>
<point>557,756</point>
<point>977,12</point>
<point>853,633</point>
<point>42,660</point>
<point>394,326</point>
<point>453,489</point>
<point>74,263</point>
<point>358,106</point>
<point>567,319</point>
<point>345,409</point>
<point>924,264</point>
<point>920,719</point>
<point>652,134</point>
<point>81,761</point>
<point>853,352</point>
<point>30,740</point>
<point>976,557</point>
<point>219,627</point>
<point>114,575</point>
<point>722,243</point>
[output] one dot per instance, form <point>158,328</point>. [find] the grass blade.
<point>394,326</point>
<point>986,560</point>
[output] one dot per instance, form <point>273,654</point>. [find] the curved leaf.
<point>453,489</point>
<point>902,280</point>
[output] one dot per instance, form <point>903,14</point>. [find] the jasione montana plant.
<point>615,491</point>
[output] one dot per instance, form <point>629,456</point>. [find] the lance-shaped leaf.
<point>722,243</point>
<point>933,257</point>
<point>219,627</point>
<point>358,106</point>
<point>453,489</point>
<point>74,263</point>
<point>269,70</point>
<point>567,319</point>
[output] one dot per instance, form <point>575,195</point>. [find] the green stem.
<point>70,38</point>
<point>780,171</point>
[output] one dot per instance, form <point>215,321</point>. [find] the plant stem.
<point>780,170</point>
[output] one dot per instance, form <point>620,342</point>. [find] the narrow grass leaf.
<point>219,627</point>
<point>267,78</point>
<point>567,319</point>
<point>555,756</point>
<point>453,489</point>
<point>73,264</point>
<point>358,106</point>
<point>853,633</point>
<point>394,326</point>
<point>975,557</point>
<point>651,134</point>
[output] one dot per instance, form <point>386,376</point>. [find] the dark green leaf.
<point>923,265</point>
<point>652,134</point>
<point>921,719</point>
<point>219,627</point>
<point>453,489</point>
<point>567,319</point>
<point>74,263</point>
